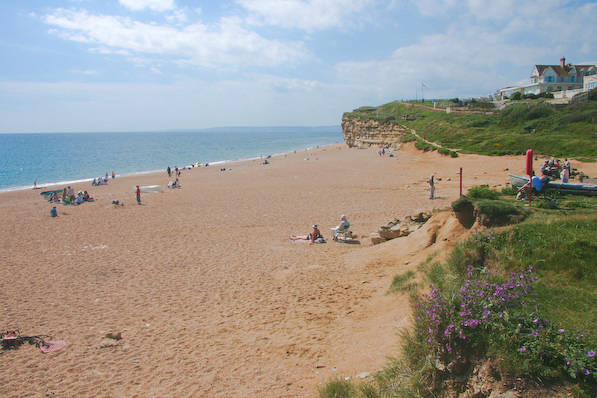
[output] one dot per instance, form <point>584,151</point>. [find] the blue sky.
<point>130,65</point>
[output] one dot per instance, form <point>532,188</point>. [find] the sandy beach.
<point>211,297</point>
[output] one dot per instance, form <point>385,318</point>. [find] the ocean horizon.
<point>70,157</point>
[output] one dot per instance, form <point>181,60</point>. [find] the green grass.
<point>482,192</point>
<point>560,131</point>
<point>400,282</point>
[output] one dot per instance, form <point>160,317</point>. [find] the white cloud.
<point>462,61</point>
<point>177,16</point>
<point>227,43</point>
<point>308,15</point>
<point>155,5</point>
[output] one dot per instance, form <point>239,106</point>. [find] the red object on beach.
<point>530,172</point>
<point>51,346</point>
<point>530,163</point>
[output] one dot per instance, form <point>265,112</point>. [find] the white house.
<point>551,78</point>
<point>590,82</point>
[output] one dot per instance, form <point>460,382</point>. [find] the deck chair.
<point>343,234</point>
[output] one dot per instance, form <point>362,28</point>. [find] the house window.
<point>549,79</point>
<point>573,79</point>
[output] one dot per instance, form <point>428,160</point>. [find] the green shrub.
<point>399,282</point>
<point>461,203</point>
<point>509,190</point>
<point>482,192</point>
<point>337,389</point>
<point>516,96</point>
<point>422,145</point>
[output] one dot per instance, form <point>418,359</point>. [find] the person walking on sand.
<point>138,195</point>
<point>431,183</point>
<point>169,170</point>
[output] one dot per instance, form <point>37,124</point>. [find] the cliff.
<point>358,132</point>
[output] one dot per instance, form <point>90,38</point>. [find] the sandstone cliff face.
<point>358,132</point>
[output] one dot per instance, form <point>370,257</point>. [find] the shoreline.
<point>140,173</point>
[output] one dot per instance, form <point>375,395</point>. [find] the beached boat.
<point>575,189</point>
<point>149,188</point>
<point>48,193</point>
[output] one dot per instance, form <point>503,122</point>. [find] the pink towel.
<point>51,346</point>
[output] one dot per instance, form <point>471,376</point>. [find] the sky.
<point>143,65</point>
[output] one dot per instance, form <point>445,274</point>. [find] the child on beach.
<point>54,212</point>
<point>138,195</point>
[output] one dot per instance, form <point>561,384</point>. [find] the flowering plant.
<point>483,314</point>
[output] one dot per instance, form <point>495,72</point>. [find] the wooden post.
<point>461,182</point>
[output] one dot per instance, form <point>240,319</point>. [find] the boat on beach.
<point>574,189</point>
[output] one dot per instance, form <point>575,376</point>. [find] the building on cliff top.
<point>563,80</point>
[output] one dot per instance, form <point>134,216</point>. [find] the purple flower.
<point>522,349</point>
<point>567,363</point>
<point>586,372</point>
<point>448,347</point>
<point>561,330</point>
<point>591,354</point>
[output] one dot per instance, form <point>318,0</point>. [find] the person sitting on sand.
<point>54,212</point>
<point>341,228</point>
<point>85,196</point>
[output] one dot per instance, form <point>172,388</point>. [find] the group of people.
<point>315,235</point>
<point>100,181</point>
<point>69,197</point>
<point>553,168</point>
<point>174,184</point>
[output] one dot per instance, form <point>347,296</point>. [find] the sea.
<point>62,158</point>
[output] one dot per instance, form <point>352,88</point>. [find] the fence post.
<point>461,182</point>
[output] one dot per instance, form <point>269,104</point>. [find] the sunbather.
<point>314,236</point>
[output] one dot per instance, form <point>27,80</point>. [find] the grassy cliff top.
<point>559,131</point>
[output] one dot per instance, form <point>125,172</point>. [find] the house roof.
<point>564,71</point>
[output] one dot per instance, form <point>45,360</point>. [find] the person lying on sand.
<point>315,235</point>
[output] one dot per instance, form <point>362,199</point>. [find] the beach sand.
<point>211,297</point>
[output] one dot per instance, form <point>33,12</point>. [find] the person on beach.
<point>431,183</point>
<point>315,235</point>
<point>113,175</point>
<point>169,170</point>
<point>565,175</point>
<point>54,212</point>
<point>341,228</point>
<point>537,183</point>
<point>35,184</point>
<point>138,195</point>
